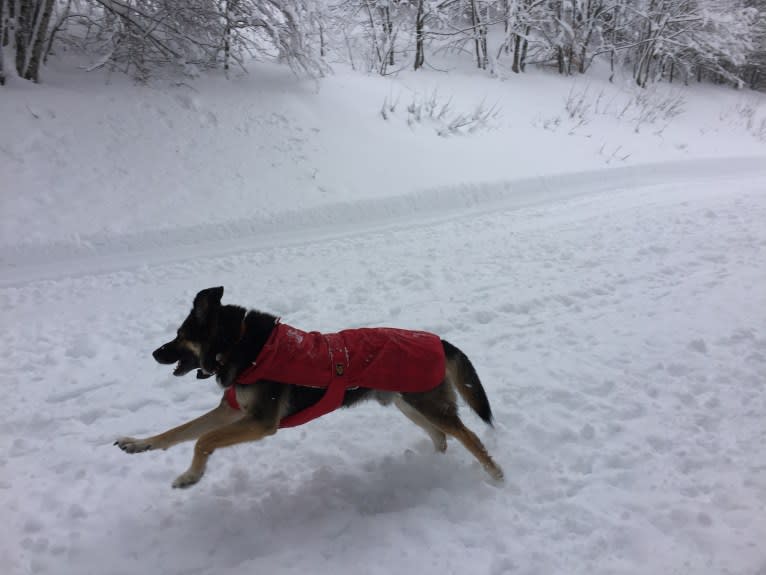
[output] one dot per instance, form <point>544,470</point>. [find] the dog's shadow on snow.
<point>333,503</point>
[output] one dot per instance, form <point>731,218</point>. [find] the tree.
<point>590,24</point>
<point>139,36</point>
<point>3,20</point>
<point>420,36</point>
<point>721,40</point>
<point>754,70</point>
<point>479,33</point>
<point>28,34</point>
<point>712,36</point>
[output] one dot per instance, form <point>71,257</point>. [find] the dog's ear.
<point>206,301</point>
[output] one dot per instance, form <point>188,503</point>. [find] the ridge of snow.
<point>104,252</point>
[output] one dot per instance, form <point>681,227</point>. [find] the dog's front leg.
<point>218,417</point>
<point>247,429</point>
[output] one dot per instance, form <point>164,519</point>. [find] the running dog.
<point>275,375</point>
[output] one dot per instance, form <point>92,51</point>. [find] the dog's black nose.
<point>165,354</point>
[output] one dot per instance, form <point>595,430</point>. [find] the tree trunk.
<point>322,47</point>
<point>583,64</point>
<point>2,35</point>
<point>570,47</point>
<point>475,22</point>
<point>484,50</point>
<point>37,41</point>
<point>645,58</point>
<point>507,27</point>
<point>516,67</point>
<point>479,37</point>
<point>227,35</point>
<point>524,46</point>
<point>374,39</point>
<point>388,33</point>
<point>484,32</point>
<point>59,23</point>
<point>23,17</point>
<point>560,48</point>
<point>419,35</point>
<point>615,25</point>
<point>588,22</point>
<point>10,6</point>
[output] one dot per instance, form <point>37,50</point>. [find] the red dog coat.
<point>382,358</point>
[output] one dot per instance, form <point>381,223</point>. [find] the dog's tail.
<point>466,380</point>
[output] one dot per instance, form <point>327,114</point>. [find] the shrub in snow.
<point>653,106</point>
<point>749,114</point>
<point>440,115</point>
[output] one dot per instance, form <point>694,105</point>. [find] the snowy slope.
<point>83,161</point>
<point>607,284</point>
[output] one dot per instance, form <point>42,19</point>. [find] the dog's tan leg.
<point>218,417</point>
<point>473,444</point>
<point>437,435</point>
<point>247,429</point>
<point>439,409</point>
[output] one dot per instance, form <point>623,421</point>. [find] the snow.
<point>615,314</point>
<point>269,145</point>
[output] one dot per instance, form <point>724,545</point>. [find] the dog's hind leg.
<point>436,434</point>
<point>472,443</point>
<point>441,412</point>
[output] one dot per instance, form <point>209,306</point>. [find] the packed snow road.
<point>23,261</point>
<point>619,334</point>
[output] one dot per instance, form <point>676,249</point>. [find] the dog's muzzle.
<point>170,353</point>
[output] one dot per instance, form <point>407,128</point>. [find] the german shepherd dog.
<point>223,340</point>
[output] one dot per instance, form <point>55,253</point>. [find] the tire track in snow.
<point>105,253</point>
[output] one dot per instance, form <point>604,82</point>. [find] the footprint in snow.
<point>484,316</point>
<point>84,348</point>
<point>209,119</point>
<point>677,370</point>
<point>187,102</point>
<point>698,345</point>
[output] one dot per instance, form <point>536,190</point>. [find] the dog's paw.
<point>132,445</point>
<point>497,475</point>
<point>187,479</point>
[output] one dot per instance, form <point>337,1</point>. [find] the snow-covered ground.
<point>83,162</point>
<point>615,312</point>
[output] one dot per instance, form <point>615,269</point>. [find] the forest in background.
<point>722,41</point>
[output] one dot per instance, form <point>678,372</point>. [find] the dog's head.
<point>200,339</point>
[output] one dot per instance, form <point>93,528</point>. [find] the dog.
<point>258,362</point>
